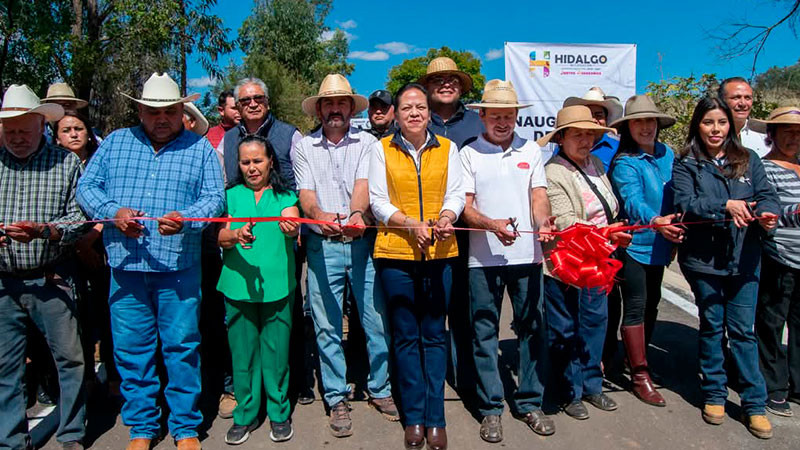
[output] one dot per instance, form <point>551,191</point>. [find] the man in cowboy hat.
<point>37,184</point>
<point>381,114</point>
<point>331,166</point>
<point>605,109</point>
<point>62,94</point>
<point>194,120</point>
<point>738,94</point>
<point>156,169</point>
<point>506,188</point>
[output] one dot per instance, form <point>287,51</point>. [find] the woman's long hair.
<point>738,157</point>
<point>274,179</point>
<point>91,139</point>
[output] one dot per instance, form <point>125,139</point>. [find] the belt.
<point>32,274</point>
<point>337,238</point>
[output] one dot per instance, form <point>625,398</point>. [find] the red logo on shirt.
<point>524,165</point>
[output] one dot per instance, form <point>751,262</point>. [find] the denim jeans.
<point>728,303</point>
<point>331,266</point>
<point>417,295</point>
<point>524,283</point>
<point>577,320</point>
<point>50,306</point>
<point>148,308</point>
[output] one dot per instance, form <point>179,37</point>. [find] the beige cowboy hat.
<point>577,116</point>
<point>446,66</point>
<point>200,121</point>
<point>596,96</point>
<point>20,100</point>
<point>498,94</point>
<point>787,115</point>
<point>334,85</point>
<point>642,107</point>
<point>61,92</point>
<point>160,91</point>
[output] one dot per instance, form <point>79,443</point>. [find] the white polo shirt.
<point>502,183</point>
<point>754,140</point>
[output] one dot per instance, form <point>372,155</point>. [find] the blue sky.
<point>673,38</point>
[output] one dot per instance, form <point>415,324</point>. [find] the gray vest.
<point>278,133</point>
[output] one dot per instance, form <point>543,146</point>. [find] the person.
<point>716,178</point>
<point>38,188</point>
<point>194,120</point>
<point>641,175</point>
<point>415,188</point>
<point>381,114</point>
<point>778,295</point>
<point>737,93</point>
<point>504,183</point>
<point>62,94</point>
<point>579,192</point>
<point>161,170</point>
<point>258,282</point>
<point>605,110</point>
<point>331,166</point>
<point>229,117</point>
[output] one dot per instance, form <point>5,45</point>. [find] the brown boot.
<point>138,444</point>
<point>437,438</point>
<point>633,337</point>
<point>189,444</point>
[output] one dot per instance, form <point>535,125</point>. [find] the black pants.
<point>641,294</point>
<point>779,304</point>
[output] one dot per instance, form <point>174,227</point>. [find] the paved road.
<point>635,425</point>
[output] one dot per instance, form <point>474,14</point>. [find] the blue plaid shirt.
<point>184,176</point>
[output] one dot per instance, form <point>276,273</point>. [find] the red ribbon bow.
<point>582,257</point>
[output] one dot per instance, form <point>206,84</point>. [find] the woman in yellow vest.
<point>416,195</point>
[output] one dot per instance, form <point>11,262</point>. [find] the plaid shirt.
<point>183,176</point>
<point>39,189</point>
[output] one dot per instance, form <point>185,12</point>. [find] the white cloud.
<point>202,82</point>
<point>397,48</point>
<point>369,56</point>
<point>328,35</point>
<point>495,53</point>
<point>347,24</point>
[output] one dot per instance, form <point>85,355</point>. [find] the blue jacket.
<point>462,126</point>
<point>701,192</point>
<point>643,184</point>
<point>604,149</point>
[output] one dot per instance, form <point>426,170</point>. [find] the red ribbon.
<point>582,257</point>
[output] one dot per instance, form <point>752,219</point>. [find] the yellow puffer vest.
<point>404,185</point>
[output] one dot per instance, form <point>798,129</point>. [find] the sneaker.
<point>714,414</point>
<point>227,403</point>
<point>340,423</point>
<point>386,407</point>
<point>306,397</point>
<point>238,434</point>
<point>72,445</point>
<point>759,426</point>
<point>491,429</point>
<point>281,431</point>
<point>779,408</point>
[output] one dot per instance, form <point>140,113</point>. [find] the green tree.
<point>412,69</point>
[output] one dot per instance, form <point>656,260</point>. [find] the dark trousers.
<point>576,320</point>
<point>779,305</point>
<point>49,305</point>
<point>216,354</point>
<point>417,295</point>
<point>524,283</point>
<point>641,294</point>
<point>458,321</point>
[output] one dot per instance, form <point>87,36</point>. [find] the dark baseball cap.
<point>382,96</point>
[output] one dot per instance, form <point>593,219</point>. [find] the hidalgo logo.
<point>581,59</point>
<point>544,63</point>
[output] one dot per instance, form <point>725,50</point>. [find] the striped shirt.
<point>39,189</point>
<point>183,176</point>
<point>784,245</point>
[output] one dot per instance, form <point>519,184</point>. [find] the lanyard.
<point>606,208</point>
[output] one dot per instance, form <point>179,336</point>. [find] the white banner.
<point>544,75</point>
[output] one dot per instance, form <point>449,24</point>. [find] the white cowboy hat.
<point>61,92</point>
<point>596,96</point>
<point>498,94</point>
<point>160,91</point>
<point>334,85</point>
<point>577,116</point>
<point>446,66</point>
<point>20,100</point>
<point>643,107</point>
<point>788,115</point>
<point>200,121</point>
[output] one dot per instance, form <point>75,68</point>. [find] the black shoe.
<point>577,410</point>
<point>44,398</point>
<point>238,434</point>
<point>601,401</point>
<point>491,429</point>
<point>281,431</point>
<point>779,408</point>
<point>540,423</point>
<point>306,397</point>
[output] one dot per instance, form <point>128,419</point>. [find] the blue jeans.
<point>52,310</point>
<point>148,307</point>
<point>524,283</point>
<point>331,266</point>
<point>418,294</point>
<point>728,304</point>
<point>577,320</point>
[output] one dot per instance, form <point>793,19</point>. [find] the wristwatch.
<point>46,233</point>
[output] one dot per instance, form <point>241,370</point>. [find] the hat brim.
<point>79,102</point>
<point>309,105</point>
<point>496,105</point>
<point>466,80</point>
<point>760,126</point>
<point>584,125</point>
<point>163,103</point>
<point>613,108</point>
<point>664,121</point>
<point>51,112</point>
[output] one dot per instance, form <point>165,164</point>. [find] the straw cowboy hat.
<point>200,121</point>
<point>61,92</point>
<point>498,94</point>
<point>642,107</point>
<point>788,115</point>
<point>20,100</point>
<point>334,85</point>
<point>578,116</point>
<point>160,91</point>
<point>446,66</point>
<point>596,96</point>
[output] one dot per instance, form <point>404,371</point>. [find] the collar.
<point>262,130</point>
<point>398,140</point>
<point>319,139</point>
<point>606,141</point>
<point>516,143</point>
<point>43,145</point>
<point>458,115</point>
<point>658,152</point>
<point>139,133</point>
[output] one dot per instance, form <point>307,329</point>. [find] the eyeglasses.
<point>256,98</point>
<point>451,80</point>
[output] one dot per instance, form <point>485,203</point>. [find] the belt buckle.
<point>346,239</point>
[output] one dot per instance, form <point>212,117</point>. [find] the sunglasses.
<point>451,80</point>
<point>256,98</point>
